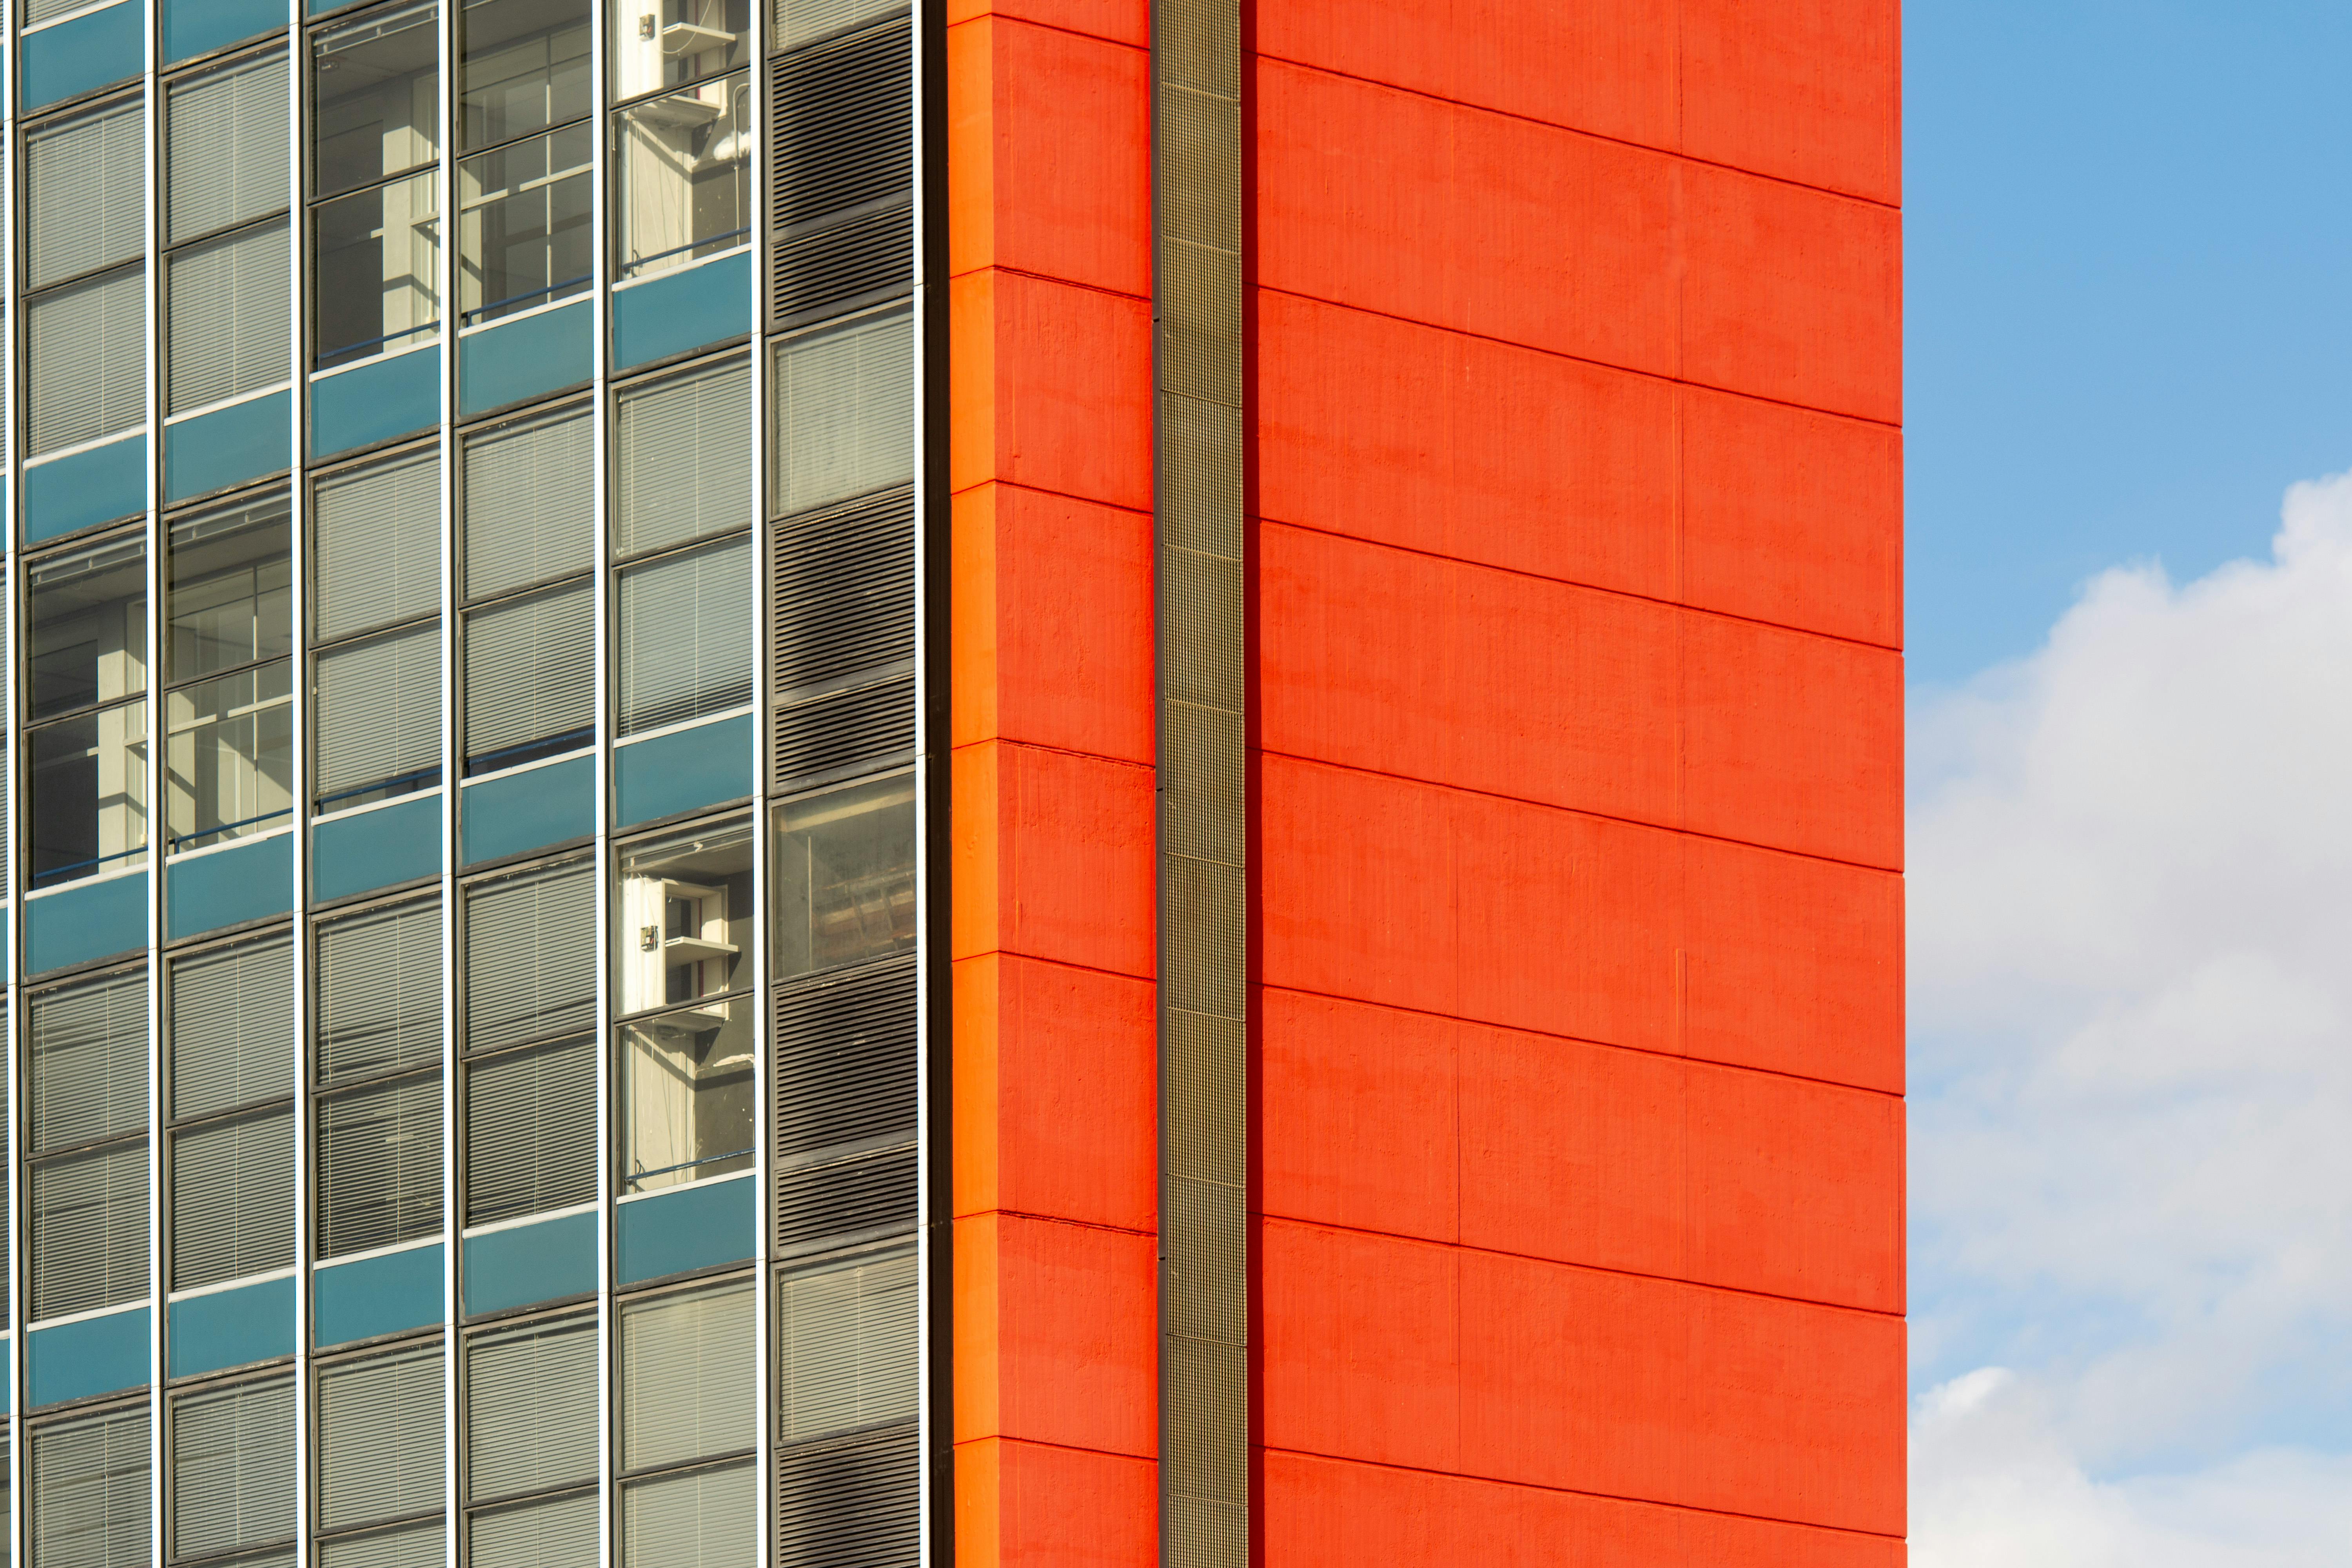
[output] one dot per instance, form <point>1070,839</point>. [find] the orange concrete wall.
<point>1575,373</point>
<point>1577,586</point>
<point>1055,1125</point>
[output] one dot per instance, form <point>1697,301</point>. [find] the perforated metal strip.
<point>1202,796</point>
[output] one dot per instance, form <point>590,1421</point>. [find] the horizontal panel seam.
<point>1873,204</point>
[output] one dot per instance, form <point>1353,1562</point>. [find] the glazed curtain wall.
<point>465,919</point>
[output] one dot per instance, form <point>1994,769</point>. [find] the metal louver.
<point>849,1503</point>
<point>842,732</point>
<point>845,1096</point>
<point>845,590</point>
<point>843,168</point>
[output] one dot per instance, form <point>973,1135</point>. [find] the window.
<point>90,1230</point>
<point>531,1415</point>
<point>87,689</point>
<point>86,350</point>
<point>85,188</point>
<point>375,89</point>
<point>232,1468</point>
<point>682,464</point>
<point>685,632</point>
<point>232,1187</point>
<point>375,270</point>
<point>87,361</point>
<point>840,165</point>
<point>226,299</point>
<point>228,750</point>
<point>662,43</point>
<point>380,1452</point>
<point>87,1501</point>
<point>232,1177</point>
<point>224,158</point>
<point>846,1345</point>
<point>86,1097</point>
<point>86,1066</point>
<point>684,1396</point>
<point>232,1041</point>
<point>524,238</point>
<point>530,677</point>
<point>682,175</point>
<point>702,1519</point>
<point>844,877</point>
<point>531,1131</point>
<point>797,22</point>
<point>531,957</point>
<point>377,534</point>
<point>226,318</point>
<point>379,1013</point>
<point>374,85</point>
<point>378,539</point>
<point>844,411</point>
<point>380,1165</point>
<point>379,718</point>
<point>525,66</point>
<point>379,988</point>
<point>530,492</point>
<point>531,974</point>
<point>681,917</point>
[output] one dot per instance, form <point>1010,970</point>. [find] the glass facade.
<point>464,1074</point>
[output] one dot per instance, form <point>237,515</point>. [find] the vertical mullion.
<point>600,547</point>
<point>297,228</point>
<point>446,284</point>
<point>151,127</point>
<point>11,321</point>
<point>762,716</point>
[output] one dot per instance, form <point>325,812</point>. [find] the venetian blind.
<point>377,540</point>
<point>226,155</point>
<point>685,635</point>
<point>683,468</point>
<point>531,1131</point>
<point>379,1440</point>
<point>530,1407</point>
<point>88,357</point>
<point>704,1518</point>
<point>232,1468</point>
<point>529,496</point>
<point>552,1535</point>
<point>85,179</point>
<point>89,1061</point>
<point>379,979</point>
<point>845,1347</point>
<point>228,319</point>
<point>844,411</point>
<point>90,1230</point>
<point>530,673</point>
<point>232,1187</point>
<point>379,711</point>
<point>87,1493</point>
<point>531,957</point>
<point>685,1376</point>
<point>232,1026</point>
<point>379,1178</point>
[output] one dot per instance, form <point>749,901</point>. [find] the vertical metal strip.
<point>452,1259</point>
<point>763,1120</point>
<point>12,382</point>
<point>297,610</point>
<point>152,726</point>
<point>1197,567</point>
<point>600,536</point>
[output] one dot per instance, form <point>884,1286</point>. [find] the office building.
<point>1044,781</point>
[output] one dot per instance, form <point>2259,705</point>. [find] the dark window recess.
<point>843,1094</point>
<point>844,637</point>
<point>849,1501</point>
<point>842,163</point>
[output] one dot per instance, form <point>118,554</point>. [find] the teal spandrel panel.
<point>85,490</point>
<point>248,881</point>
<point>193,28</point>
<point>229,1328</point>
<point>381,1295</point>
<point>530,1263</point>
<point>529,810</point>
<point>96,1355</point>
<point>702,1226</point>
<point>682,771</point>
<point>97,918</point>
<point>229,446</point>
<point>88,52</point>
<point>528,357</point>
<point>683,310</point>
<point>378,849</point>
<point>385,398</point>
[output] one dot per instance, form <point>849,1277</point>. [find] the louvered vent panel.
<point>835,1204</point>
<point>843,168</point>
<point>845,732</point>
<point>850,1503</point>
<point>844,1062</point>
<point>844,589</point>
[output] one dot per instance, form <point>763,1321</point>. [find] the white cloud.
<point>2131,969</point>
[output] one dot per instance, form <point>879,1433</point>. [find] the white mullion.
<point>926,1415</point>
<point>600,535</point>
<point>297,228</point>
<point>446,283</point>
<point>762,671</point>
<point>11,583</point>
<point>151,126</point>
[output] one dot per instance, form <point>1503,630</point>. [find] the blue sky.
<point>2129,295</point>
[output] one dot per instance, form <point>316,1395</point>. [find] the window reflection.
<point>844,877</point>
<point>683,166</point>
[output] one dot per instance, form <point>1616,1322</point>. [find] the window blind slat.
<point>89,1061</point>
<point>228,318</point>
<point>85,179</point>
<point>225,160</point>
<point>377,532</point>
<point>685,1376</point>
<point>705,1519</point>
<point>232,1199</point>
<point>559,1533</point>
<point>379,1178</point>
<point>88,353</point>
<point>685,635</point>
<point>379,979</point>
<point>530,1407</point>
<point>683,463</point>
<point>232,1026</point>
<point>232,1468</point>
<point>379,711</point>
<point>530,1131</point>
<point>531,671</point>
<point>845,1347</point>
<point>845,412</point>
<point>529,491</point>
<point>87,1501</point>
<point>380,1442</point>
